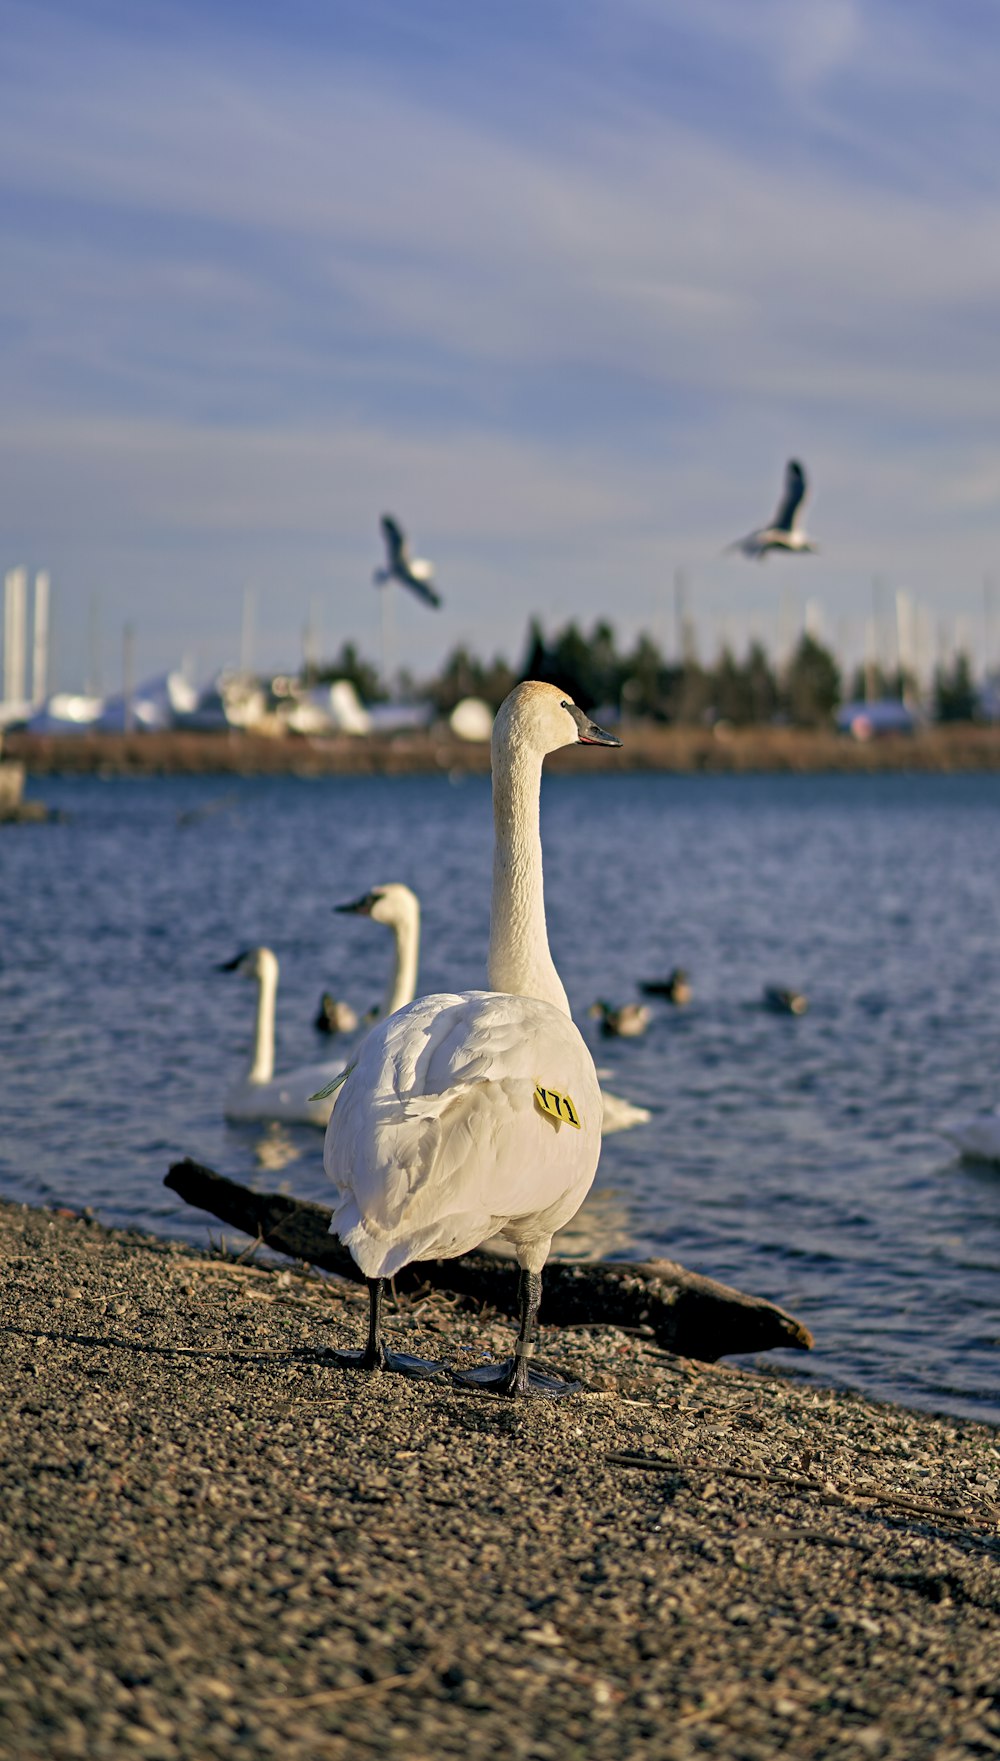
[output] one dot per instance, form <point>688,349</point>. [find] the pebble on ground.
<point>215,1543</point>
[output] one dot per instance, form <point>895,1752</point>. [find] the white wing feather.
<point>437,1142</point>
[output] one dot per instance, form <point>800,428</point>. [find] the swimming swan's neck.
<point>262,1067</point>
<point>402,986</point>
<point>519,959</point>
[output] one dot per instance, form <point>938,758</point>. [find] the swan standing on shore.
<point>398,907</point>
<point>477,1114</point>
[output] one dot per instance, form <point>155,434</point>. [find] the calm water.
<point>795,1158</point>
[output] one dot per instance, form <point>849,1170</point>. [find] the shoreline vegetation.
<point>648,746</point>
<point>216,1543</point>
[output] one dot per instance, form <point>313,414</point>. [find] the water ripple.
<point>794,1157</point>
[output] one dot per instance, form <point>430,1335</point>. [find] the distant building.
<point>869,721</point>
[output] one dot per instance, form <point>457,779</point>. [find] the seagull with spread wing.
<point>783,533</point>
<point>414,572</point>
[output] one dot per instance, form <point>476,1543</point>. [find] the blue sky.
<point>563,285</point>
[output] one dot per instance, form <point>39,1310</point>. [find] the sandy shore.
<point>646,746</point>
<point>215,1543</point>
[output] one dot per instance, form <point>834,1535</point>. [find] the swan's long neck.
<point>262,1067</point>
<point>519,960</point>
<point>402,986</point>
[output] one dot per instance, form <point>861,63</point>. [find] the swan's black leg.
<point>376,1355</point>
<point>515,1377</point>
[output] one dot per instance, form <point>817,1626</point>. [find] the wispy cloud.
<point>252,290</point>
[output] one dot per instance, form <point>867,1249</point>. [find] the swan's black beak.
<point>589,733</point>
<point>231,965</point>
<point>592,735</point>
<point>361,907</point>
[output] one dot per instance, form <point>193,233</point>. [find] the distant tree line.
<point>640,683</point>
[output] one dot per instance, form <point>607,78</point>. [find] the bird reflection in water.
<point>274,1149</point>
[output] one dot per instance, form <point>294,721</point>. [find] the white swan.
<point>476,1114</point>
<point>397,906</point>
<point>298,1097</point>
<point>260,1094</point>
<point>976,1138</point>
<point>619,1114</point>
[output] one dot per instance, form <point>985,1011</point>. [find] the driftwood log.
<point>688,1314</point>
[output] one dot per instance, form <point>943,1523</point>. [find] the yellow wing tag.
<point>332,1087</point>
<point>556,1106</point>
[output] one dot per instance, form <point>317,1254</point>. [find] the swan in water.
<point>976,1138</point>
<point>784,532</point>
<point>396,906</point>
<point>305,1096</point>
<point>477,1114</point>
<point>260,1094</point>
<point>618,1114</point>
<point>399,908</point>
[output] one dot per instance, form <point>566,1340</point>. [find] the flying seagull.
<point>412,571</point>
<point>782,533</point>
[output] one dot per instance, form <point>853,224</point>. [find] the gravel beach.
<point>213,1542</point>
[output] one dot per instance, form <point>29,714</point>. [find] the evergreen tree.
<point>731,690</point>
<point>644,680</point>
<point>464,676</point>
<point>690,695</point>
<point>762,686</point>
<point>536,656</point>
<point>812,684</point>
<point>585,667</point>
<point>955,695</point>
<point>348,664</point>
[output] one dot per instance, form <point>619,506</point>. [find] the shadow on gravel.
<point>301,1354</point>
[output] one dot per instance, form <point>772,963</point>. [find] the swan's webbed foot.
<point>375,1355</point>
<point>399,1363</point>
<point>514,1379</point>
